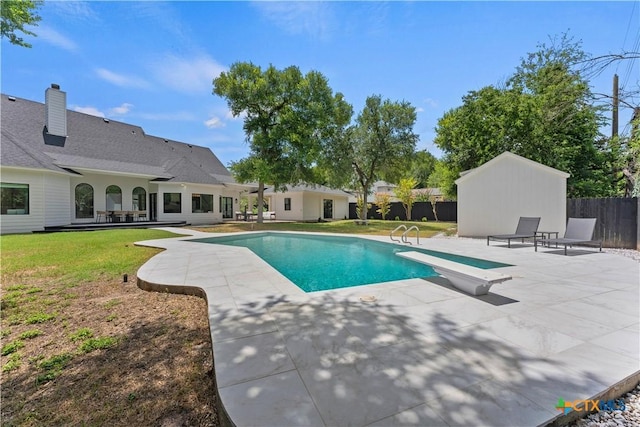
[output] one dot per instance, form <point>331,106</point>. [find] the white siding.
<point>493,199</point>
<point>57,200</point>
<point>186,191</point>
<point>308,206</point>
<point>100,183</point>
<point>340,207</point>
<point>296,213</point>
<point>56,111</point>
<point>204,217</point>
<point>34,221</point>
<point>311,207</point>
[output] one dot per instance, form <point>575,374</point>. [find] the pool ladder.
<point>403,237</point>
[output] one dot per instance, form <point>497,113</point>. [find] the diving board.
<point>472,280</point>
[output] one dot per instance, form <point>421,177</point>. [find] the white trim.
<point>507,154</point>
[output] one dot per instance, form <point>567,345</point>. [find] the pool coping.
<point>237,297</point>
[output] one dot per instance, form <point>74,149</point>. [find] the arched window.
<point>84,201</point>
<point>114,198</point>
<point>139,197</point>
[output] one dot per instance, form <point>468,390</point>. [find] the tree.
<point>383,201</point>
<point>404,192</point>
<point>288,119</point>
<point>433,199</point>
<point>542,113</point>
<point>378,146</point>
<point>422,166</point>
<point>16,14</point>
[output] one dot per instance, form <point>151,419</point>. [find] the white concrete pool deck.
<point>422,353</point>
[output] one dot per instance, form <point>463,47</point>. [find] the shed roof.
<point>310,189</point>
<point>509,156</point>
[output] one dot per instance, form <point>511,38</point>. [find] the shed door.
<point>328,208</point>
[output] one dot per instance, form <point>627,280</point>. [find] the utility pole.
<point>616,102</point>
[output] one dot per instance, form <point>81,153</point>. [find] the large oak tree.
<point>288,118</point>
<point>378,146</point>
<point>543,113</point>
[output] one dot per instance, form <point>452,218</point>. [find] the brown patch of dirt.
<point>159,372</point>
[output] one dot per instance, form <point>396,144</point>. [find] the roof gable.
<point>97,144</point>
<point>510,157</point>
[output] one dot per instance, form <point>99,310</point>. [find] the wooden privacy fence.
<point>617,224</point>
<point>447,211</point>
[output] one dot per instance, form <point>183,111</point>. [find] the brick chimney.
<point>55,111</point>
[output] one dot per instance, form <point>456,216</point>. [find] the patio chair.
<point>579,231</point>
<point>527,227</point>
<point>101,215</point>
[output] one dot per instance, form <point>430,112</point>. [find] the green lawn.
<point>76,255</point>
<point>374,227</point>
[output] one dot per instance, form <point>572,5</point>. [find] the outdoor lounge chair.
<point>579,231</point>
<point>527,227</point>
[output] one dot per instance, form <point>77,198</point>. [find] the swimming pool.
<point>319,262</point>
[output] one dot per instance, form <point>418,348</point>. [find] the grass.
<point>105,352</point>
<point>98,340</point>
<point>374,227</point>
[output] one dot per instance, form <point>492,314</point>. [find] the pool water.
<point>318,263</point>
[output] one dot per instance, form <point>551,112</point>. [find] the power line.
<point>631,61</point>
<point>627,31</point>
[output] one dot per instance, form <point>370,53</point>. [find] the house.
<point>308,203</point>
<point>61,167</point>
<point>493,196</point>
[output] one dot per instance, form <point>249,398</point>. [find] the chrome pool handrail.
<point>404,235</point>
<point>396,229</point>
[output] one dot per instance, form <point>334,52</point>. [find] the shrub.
<point>12,347</point>
<point>97,344</point>
<point>31,333</point>
<point>81,335</point>
<point>13,363</point>
<point>39,318</point>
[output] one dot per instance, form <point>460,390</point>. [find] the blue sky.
<point>152,63</point>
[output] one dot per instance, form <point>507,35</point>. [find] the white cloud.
<point>51,36</point>
<point>419,110</point>
<point>123,109</point>
<point>187,75</point>
<point>431,103</point>
<point>311,18</point>
<point>89,110</point>
<point>121,79</point>
<point>73,9</point>
<point>214,123</point>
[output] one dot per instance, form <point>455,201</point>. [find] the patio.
<point>411,352</point>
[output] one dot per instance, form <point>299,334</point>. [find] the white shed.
<point>493,196</point>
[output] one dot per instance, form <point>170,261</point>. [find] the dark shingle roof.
<point>94,143</point>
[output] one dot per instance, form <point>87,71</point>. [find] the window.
<point>15,199</point>
<point>287,203</point>
<point>114,198</point>
<point>139,199</point>
<point>172,203</point>
<point>201,203</point>
<point>84,201</point>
